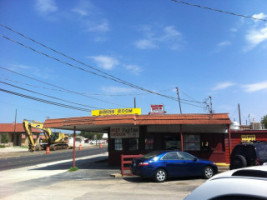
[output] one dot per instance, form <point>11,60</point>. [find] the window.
<point>192,142</point>
<point>171,156</point>
<point>118,144</point>
<point>133,144</point>
<point>186,156</point>
<point>262,151</point>
<point>149,143</point>
<point>238,197</point>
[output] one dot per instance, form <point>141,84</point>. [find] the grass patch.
<point>2,146</point>
<point>73,169</point>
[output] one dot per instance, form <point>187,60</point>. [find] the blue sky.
<point>158,45</point>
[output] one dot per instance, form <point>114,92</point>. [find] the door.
<point>174,165</point>
<point>192,167</point>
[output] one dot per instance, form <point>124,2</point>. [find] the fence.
<point>126,161</point>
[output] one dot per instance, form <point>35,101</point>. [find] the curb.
<point>117,175</point>
<point>222,164</point>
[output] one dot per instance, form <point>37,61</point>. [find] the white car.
<point>245,183</point>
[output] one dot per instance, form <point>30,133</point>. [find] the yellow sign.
<point>248,138</point>
<point>118,111</point>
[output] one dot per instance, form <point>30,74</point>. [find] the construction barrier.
<point>100,145</point>
<point>80,147</point>
<point>126,161</point>
<point>47,150</point>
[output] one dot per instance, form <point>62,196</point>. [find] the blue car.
<point>161,165</point>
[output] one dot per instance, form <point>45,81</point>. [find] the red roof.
<point>193,119</point>
<point>10,128</point>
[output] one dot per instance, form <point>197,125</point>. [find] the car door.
<point>174,165</point>
<point>192,166</point>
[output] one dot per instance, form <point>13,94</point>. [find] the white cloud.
<point>36,71</point>
<point>135,69</point>
<point>145,44</point>
<point>16,67</point>
<point>256,36</point>
<point>222,86</point>
<point>90,17</point>
<point>255,87</point>
<point>80,11</point>
<point>105,62</point>
<point>259,16</point>
<point>153,38</point>
<point>257,32</point>
<point>46,6</point>
<point>169,33</point>
<point>224,43</point>
<point>116,90</point>
<point>98,27</point>
<point>233,30</point>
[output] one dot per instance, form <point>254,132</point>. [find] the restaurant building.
<point>205,135</point>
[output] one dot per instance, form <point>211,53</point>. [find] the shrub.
<point>73,169</point>
<point>4,138</point>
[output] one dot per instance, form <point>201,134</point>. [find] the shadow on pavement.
<point>136,179</point>
<point>90,163</point>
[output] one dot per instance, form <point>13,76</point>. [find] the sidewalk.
<point>13,149</point>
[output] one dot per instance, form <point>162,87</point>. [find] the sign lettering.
<point>118,111</point>
<point>124,132</point>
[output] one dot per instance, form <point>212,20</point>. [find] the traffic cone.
<point>100,145</point>
<point>80,147</point>
<point>47,150</point>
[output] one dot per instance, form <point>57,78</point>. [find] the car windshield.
<point>152,154</point>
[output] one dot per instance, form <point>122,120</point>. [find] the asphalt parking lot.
<point>93,180</point>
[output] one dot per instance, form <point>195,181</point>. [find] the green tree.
<point>4,138</point>
<point>264,121</point>
<point>91,135</point>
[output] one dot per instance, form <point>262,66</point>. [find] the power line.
<point>66,90</point>
<point>15,86</point>
<point>45,101</point>
<point>82,94</point>
<point>217,10</point>
<point>184,101</point>
<point>106,76</point>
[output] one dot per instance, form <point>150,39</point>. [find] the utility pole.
<point>179,100</point>
<point>13,138</point>
<point>134,102</point>
<point>239,113</point>
<point>210,104</point>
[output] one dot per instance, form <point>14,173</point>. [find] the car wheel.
<point>208,172</point>
<point>238,161</point>
<point>160,175</point>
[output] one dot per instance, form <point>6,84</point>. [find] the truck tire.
<point>238,161</point>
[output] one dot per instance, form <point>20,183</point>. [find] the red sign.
<point>157,108</point>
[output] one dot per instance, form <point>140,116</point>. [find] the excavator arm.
<point>28,125</point>
<point>28,131</point>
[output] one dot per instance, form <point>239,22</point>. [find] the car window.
<point>171,156</point>
<point>238,197</point>
<point>250,151</point>
<point>186,156</point>
<point>151,154</point>
<point>238,150</point>
<point>262,151</point>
